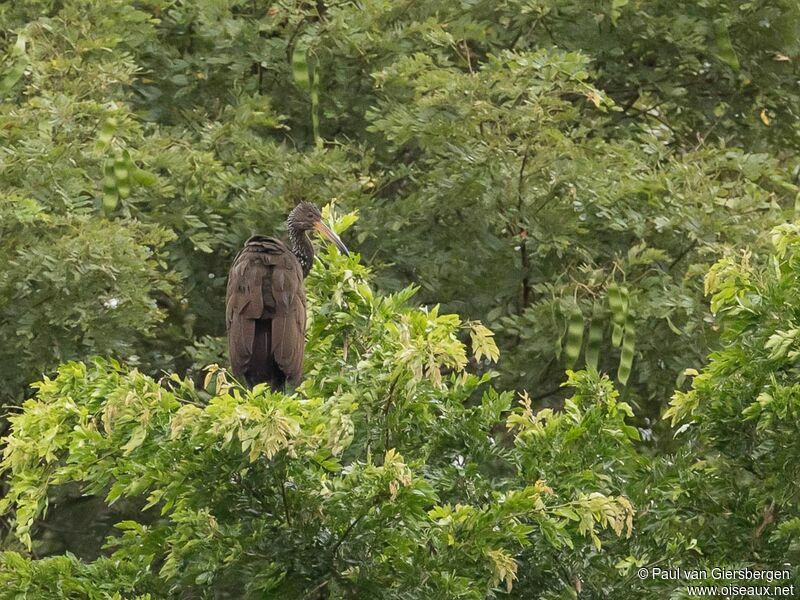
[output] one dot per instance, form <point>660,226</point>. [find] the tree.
<point>741,409</point>
<point>565,172</point>
<point>609,144</point>
<point>386,464</point>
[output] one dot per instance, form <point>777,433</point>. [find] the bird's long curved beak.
<point>328,233</point>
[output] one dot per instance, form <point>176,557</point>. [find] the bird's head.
<point>306,216</point>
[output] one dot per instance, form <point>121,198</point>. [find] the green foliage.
<point>571,145</point>
<point>73,284</point>
<point>383,465</point>
<point>68,577</point>
<point>564,172</point>
<point>84,164</point>
<point>743,407</point>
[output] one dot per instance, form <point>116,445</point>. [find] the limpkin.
<point>266,303</point>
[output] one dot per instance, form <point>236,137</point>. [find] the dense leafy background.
<point>569,173</point>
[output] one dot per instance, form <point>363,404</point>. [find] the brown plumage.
<point>266,302</point>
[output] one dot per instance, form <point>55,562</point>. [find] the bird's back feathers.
<point>266,313</point>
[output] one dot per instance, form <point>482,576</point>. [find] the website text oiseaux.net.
<point>728,583</point>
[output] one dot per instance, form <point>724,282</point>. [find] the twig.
<point>683,253</point>
<point>347,532</point>
<point>544,395</point>
<point>283,497</point>
<point>387,406</point>
<point>526,290</point>
<point>316,589</point>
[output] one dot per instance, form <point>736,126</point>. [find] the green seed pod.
<point>124,190</point>
<point>300,70</point>
<point>110,196</point>
<point>625,297</point>
<point>616,336</point>
<point>797,206</point>
<point>142,177</point>
<point>315,103</point>
<point>615,304</point>
<point>120,169</point>
<point>574,336</point>
<point>618,299</point>
<point>626,357</point>
<point>106,133</point>
<point>122,174</point>
<point>595,338</point>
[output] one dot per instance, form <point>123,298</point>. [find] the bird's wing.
<point>244,304</point>
<point>289,322</point>
<point>266,283</point>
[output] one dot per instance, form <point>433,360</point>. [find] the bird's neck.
<point>302,249</point>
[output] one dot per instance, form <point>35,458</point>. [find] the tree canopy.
<point>563,350</point>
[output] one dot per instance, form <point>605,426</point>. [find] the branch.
<point>683,253</point>
<point>390,397</point>
<point>283,497</point>
<point>347,532</point>
<point>526,288</point>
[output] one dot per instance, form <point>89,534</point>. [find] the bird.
<point>265,301</point>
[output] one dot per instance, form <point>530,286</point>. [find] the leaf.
<point>616,5</point>
<point>17,69</point>
<point>567,513</point>
<point>672,326</point>
<point>725,51</point>
<point>12,76</point>
<point>780,342</point>
<point>504,568</point>
<point>136,440</point>
<point>594,98</point>
<point>483,343</point>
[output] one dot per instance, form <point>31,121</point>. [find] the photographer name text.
<point>718,574</point>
